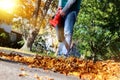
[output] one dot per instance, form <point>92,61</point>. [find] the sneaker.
<point>73,52</point>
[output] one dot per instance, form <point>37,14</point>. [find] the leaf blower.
<point>56,19</point>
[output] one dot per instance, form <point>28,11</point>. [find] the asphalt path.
<point>10,70</point>
<point>17,71</point>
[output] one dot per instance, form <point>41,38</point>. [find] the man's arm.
<point>67,6</point>
<point>60,3</point>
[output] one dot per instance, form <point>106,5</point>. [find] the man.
<point>67,13</point>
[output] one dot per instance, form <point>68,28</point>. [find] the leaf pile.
<point>84,69</point>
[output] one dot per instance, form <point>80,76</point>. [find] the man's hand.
<point>57,19</point>
<point>60,11</point>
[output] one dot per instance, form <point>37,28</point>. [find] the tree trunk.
<point>33,31</point>
<point>30,39</point>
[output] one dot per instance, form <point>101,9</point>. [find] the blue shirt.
<point>69,5</point>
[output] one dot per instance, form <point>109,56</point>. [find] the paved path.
<point>11,71</point>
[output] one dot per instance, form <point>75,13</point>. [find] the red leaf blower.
<point>56,19</point>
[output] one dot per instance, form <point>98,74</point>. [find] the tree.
<point>36,12</point>
<point>98,27</point>
<point>37,22</point>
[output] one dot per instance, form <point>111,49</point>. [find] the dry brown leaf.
<point>22,69</point>
<point>23,74</point>
<point>85,69</point>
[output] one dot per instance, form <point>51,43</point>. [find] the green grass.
<point>4,49</point>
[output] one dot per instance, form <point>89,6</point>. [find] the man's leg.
<point>63,46</point>
<point>68,28</point>
<point>64,34</point>
<point>60,35</point>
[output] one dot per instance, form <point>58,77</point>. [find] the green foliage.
<point>4,37</point>
<point>39,45</point>
<point>21,42</point>
<point>98,28</point>
<point>6,40</point>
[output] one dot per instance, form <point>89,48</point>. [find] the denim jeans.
<point>65,31</point>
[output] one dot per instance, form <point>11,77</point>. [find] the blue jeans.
<point>65,31</point>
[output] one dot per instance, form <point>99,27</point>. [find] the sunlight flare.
<point>7,5</point>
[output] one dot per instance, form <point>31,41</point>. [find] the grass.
<point>9,50</point>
